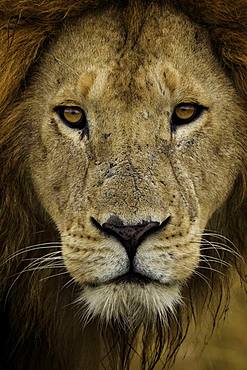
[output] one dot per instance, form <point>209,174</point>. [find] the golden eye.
<point>74,117</point>
<point>185,113</point>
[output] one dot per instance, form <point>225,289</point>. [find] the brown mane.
<point>25,30</point>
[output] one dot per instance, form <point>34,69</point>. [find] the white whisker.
<point>32,248</point>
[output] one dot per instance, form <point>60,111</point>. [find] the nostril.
<point>115,220</point>
<point>130,236</point>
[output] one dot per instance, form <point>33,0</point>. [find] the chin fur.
<point>128,304</point>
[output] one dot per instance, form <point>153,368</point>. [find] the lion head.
<point>123,176</point>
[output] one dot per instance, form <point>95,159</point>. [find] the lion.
<point>123,177</point>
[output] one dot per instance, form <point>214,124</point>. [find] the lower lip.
<point>135,279</point>
<point>132,278</point>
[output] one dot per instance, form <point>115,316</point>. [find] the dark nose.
<point>131,236</point>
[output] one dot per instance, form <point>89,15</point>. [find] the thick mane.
<point>25,30</point>
<point>25,27</point>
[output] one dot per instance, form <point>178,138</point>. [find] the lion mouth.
<point>134,278</point>
<point>129,277</point>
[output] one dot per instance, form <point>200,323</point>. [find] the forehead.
<point>97,51</point>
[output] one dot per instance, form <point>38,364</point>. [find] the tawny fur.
<point>36,332</point>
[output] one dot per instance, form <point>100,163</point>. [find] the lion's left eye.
<point>73,117</point>
<point>185,113</point>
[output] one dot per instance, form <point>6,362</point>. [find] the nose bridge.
<point>126,169</point>
<point>126,174</point>
<point>129,191</point>
<point>123,147</point>
<point>114,141</point>
<point>132,146</point>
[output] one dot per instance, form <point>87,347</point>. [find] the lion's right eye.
<point>72,116</point>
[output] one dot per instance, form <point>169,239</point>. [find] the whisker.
<point>18,277</point>
<point>46,258</point>
<point>34,247</point>
<point>197,273</point>
<point>214,260</point>
<point>37,260</point>
<point>217,247</point>
<point>55,275</point>
<point>219,236</point>
<point>211,269</point>
<point>37,268</point>
<point>201,276</point>
<point>69,283</point>
<point>36,265</point>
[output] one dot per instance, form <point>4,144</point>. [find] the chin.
<point>129,303</point>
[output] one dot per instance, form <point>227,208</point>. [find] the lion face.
<point>132,151</point>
